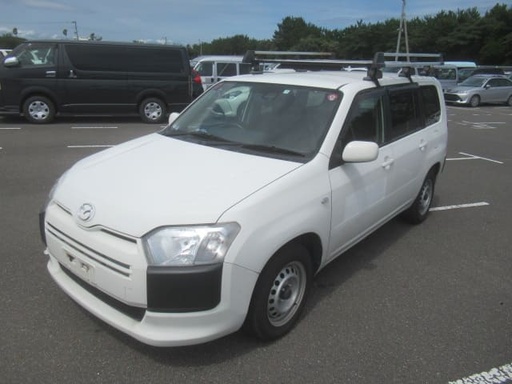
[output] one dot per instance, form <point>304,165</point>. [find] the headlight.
<point>187,246</point>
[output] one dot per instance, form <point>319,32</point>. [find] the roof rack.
<point>316,61</point>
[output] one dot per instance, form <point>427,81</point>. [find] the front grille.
<point>135,313</point>
<point>100,258</point>
<point>451,97</point>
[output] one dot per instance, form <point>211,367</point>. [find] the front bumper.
<point>456,98</point>
<point>164,329</point>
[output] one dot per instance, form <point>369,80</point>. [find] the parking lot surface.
<point>410,304</point>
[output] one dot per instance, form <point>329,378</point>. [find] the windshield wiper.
<point>271,149</point>
<point>198,134</point>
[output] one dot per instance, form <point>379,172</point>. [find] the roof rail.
<point>315,61</point>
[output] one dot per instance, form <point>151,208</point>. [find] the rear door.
<point>408,141</point>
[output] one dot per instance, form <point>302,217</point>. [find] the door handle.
<point>423,145</point>
<point>51,73</point>
<point>388,162</point>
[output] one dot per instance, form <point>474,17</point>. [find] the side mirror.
<point>173,116</point>
<point>360,152</point>
<point>11,61</point>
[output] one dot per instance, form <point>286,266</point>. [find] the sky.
<point>195,21</point>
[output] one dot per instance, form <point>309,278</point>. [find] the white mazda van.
<point>221,220</point>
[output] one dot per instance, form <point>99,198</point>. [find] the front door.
<point>360,190</point>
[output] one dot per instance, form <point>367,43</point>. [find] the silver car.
<point>477,89</point>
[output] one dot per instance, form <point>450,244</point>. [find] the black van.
<point>41,79</point>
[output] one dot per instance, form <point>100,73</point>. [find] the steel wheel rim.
<point>38,110</point>
<point>153,111</point>
<point>425,197</point>
<point>286,293</point>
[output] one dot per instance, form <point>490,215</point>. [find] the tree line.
<point>458,35</point>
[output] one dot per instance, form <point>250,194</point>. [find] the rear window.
<point>125,58</point>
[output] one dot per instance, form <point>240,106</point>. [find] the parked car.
<point>221,220</point>
<point>478,89</point>
<point>215,68</point>
<point>483,70</point>
<point>4,52</point>
<point>42,79</point>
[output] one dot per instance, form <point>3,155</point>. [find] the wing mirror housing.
<point>360,152</point>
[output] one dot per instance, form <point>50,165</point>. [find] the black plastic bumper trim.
<point>184,289</point>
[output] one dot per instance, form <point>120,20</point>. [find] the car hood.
<point>155,181</point>
<point>461,88</point>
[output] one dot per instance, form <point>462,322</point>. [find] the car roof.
<point>327,79</point>
<point>489,76</point>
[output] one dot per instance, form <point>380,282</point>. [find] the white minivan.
<point>221,220</point>
<point>215,68</point>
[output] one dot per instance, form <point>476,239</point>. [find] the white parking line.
<point>94,127</point>
<point>472,157</point>
<point>9,128</point>
<point>89,146</point>
<point>499,375</point>
<point>459,206</point>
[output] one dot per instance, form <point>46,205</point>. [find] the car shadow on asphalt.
<point>330,279</point>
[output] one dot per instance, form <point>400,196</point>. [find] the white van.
<point>221,220</point>
<point>215,68</point>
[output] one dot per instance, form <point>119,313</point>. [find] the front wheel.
<point>38,110</point>
<point>474,101</point>
<point>509,101</point>
<point>280,293</point>
<point>152,110</point>
<point>418,211</point>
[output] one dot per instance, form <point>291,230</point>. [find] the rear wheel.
<point>509,101</point>
<point>152,110</point>
<point>280,293</point>
<point>39,110</point>
<point>474,101</point>
<point>418,211</point>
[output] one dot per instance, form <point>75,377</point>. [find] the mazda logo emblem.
<point>86,212</point>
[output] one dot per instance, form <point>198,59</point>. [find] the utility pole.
<point>76,30</point>
<point>402,28</point>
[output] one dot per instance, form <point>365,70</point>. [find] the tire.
<point>153,110</point>
<point>509,101</point>
<point>280,294</point>
<point>39,110</point>
<point>474,101</point>
<point>418,211</point>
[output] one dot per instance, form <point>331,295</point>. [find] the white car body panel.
<point>156,181</point>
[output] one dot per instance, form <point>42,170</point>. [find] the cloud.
<point>50,5</point>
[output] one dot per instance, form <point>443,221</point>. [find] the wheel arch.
<point>151,94</point>
<point>312,243</point>
<point>35,91</point>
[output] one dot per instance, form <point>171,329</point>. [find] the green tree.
<point>292,30</point>
<point>9,41</point>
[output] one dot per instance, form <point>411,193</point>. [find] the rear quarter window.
<point>431,104</point>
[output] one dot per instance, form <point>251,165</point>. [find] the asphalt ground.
<point>410,304</point>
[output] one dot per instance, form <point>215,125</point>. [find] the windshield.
<point>465,73</point>
<point>274,120</point>
<point>473,82</point>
